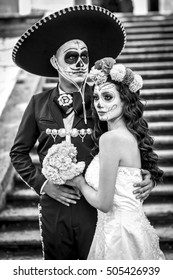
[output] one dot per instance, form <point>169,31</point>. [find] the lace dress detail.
<point>123,233</point>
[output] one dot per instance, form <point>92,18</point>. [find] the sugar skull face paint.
<point>73,60</point>
<point>107,102</point>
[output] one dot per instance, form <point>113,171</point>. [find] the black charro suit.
<point>67,231</point>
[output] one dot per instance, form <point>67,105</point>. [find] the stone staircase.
<point>149,51</point>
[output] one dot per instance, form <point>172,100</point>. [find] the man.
<point>58,46</point>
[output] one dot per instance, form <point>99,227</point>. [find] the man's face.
<point>73,60</point>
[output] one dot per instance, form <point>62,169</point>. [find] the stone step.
<point>162,189</point>
<point>158,115</point>
<point>19,240</point>
<point>24,254</point>
<point>146,74</point>
<point>22,197</point>
<point>154,83</point>
<point>146,21</point>
<point>19,217</point>
<point>26,197</point>
<point>146,37</point>
<point>31,213</point>
<point>36,254</point>
<point>149,57</point>
<point>148,43</point>
<point>162,141</point>
<point>149,30</point>
<point>155,74</point>
<point>148,84</point>
<point>161,128</point>
<point>19,214</point>
<point>22,194</point>
<point>160,105</point>
<point>168,171</point>
<point>148,49</point>
<point>165,156</point>
<point>163,65</point>
<point>158,93</point>
<point>160,212</point>
<point>15,25</point>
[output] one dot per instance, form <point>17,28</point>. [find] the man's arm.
<point>144,188</point>
<point>24,142</point>
<point>61,193</point>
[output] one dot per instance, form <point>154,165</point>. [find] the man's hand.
<point>144,188</point>
<point>61,193</point>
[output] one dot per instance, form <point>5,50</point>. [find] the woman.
<point>122,139</point>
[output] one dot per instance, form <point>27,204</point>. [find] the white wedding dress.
<point>124,233</point>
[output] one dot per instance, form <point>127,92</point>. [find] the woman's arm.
<point>109,157</point>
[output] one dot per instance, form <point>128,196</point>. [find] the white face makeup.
<point>107,102</point>
<point>73,60</point>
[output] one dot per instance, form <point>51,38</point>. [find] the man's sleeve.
<point>24,142</point>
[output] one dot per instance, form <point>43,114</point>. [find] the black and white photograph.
<point>86,121</point>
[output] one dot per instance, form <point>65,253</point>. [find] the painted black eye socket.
<point>72,57</point>
<point>95,97</point>
<point>84,56</point>
<point>107,96</point>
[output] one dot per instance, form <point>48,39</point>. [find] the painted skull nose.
<point>80,63</point>
<point>99,105</point>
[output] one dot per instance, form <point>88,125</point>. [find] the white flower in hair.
<point>118,72</point>
<point>96,76</point>
<point>136,84</point>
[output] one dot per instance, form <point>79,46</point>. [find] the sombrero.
<point>97,27</point>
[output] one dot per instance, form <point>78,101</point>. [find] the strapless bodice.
<point>126,177</point>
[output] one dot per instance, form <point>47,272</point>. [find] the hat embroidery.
<point>64,11</point>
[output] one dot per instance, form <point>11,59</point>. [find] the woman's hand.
<point>76,182</point>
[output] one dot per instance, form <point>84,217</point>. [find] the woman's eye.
<point>107,97</point>
<point>95,97</point>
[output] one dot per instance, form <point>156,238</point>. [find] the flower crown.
<point>118,72</point>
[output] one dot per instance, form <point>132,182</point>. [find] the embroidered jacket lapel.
<point>77,105</point>
<point>54,109</point>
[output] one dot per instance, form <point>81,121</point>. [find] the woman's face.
<point>107,102</point>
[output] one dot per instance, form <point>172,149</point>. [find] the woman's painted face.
<point>74,60</point>
<point>107,102</point>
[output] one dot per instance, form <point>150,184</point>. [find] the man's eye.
<point>85,57</point>
<point>71,58</point>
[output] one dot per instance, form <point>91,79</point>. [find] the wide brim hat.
<point>98,28</point>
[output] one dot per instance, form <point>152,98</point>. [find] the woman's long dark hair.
<point>133,117</point>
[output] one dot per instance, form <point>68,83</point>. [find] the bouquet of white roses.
<point>60,163</point>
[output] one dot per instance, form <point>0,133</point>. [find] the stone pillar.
<point>24,7</point>
<point>140,7</point>
<point>79,2</point>
<point>166,6</point>
<point>9,6</point>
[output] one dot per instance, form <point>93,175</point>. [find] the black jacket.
<point>41,113</point>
